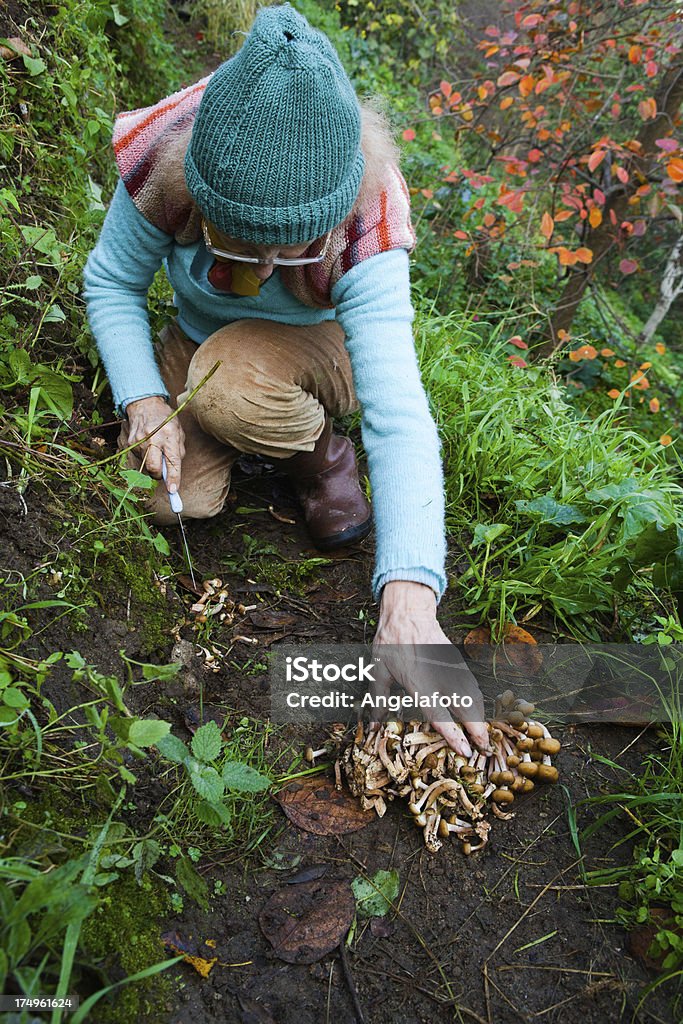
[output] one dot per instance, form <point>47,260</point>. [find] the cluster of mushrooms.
<point>448,794</point>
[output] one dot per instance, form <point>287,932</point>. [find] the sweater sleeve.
<point>117,277</point>
<point>400,438</point>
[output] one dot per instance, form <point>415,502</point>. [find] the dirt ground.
<point>509,934</point>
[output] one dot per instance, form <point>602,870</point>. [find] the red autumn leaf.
<point>621,173</point>
<point>517,341</point>
<point>446,88</point>
<point>674,169</point>
<point>651,69</point>
<point>668,145</point>
<point>596,158</point>
<point>563,215</point>
<point>409,135</point>
<point>628,266</point>
<point>507,78</point>
<point>461,234</point>
<point>489,220</point>
<point>547,225</point>
<point>532,20</point>
<point>534,155</point>
<point>517,361</point>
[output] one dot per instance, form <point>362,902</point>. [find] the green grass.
<point>555,511</point>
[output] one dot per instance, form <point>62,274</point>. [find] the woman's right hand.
<point>144,417</point>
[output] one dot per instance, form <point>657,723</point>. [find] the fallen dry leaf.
<point>175,943</point>
<point>520,652</point>
<point>305,922</point>
<point>316,806</point>
<point>16,48</point>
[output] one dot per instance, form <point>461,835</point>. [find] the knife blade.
<point>176,504</point>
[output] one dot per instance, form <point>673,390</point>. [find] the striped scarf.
<point>149,146</point>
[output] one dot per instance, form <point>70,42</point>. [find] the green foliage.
<point>211,773</point>
<point>557,510</point>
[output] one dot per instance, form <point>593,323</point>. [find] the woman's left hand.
<point>408,623</point>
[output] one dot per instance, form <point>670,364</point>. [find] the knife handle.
<point>175,500</point>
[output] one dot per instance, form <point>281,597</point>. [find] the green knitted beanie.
<point>275,154</point>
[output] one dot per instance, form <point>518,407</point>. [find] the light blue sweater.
<point>372,305</point>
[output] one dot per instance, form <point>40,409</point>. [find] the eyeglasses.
<point>273,261</point>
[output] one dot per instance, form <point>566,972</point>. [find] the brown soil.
<point>464,941</point>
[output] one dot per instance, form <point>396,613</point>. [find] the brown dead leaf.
<point>316,806</point>
<point>271,619</point>
<point>16,48</point>
<point>519,654</point>
<point>305,922</point>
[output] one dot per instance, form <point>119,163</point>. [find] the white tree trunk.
<point>670,288</point>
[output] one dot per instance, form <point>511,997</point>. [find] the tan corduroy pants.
<point>269,396</point>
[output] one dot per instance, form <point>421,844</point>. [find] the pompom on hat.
<point>275,155</point>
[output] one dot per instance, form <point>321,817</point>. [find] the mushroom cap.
<point>547,773</point>
<point>549,746</point>
<point>528,768</point>
<point>503,796</point>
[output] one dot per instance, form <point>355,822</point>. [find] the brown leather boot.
<point>326,484</point>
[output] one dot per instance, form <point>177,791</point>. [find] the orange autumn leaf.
<point>446,88</point>
<point>526,85</point>
<point>596,158</point>
<point>583,352</point>
<point>619,363</point>
<point>606,352</point>
<point>547,225</point>
<point>584,255</point>
<point>660,348</point>
<point>654,405</point>
<point>563,215</point>
<point>645,366</point>
<point>614,393</point>
<point>507,102</point>
<point>566,258</point>
<point>634,54</point>
<point>665,439</point>
<point>595,217</point>
<point>674,168</point>
<point>648,108</point>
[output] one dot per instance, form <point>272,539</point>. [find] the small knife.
<point>176,504</point>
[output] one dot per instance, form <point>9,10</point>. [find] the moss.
<point>128,571</point>
<point>121,938</point>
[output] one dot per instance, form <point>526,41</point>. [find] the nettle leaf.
<point>212,813</point>
<point>206,781</point>
<point>147,732</point>
<point>550,511</point>
<point>207,742</point>
<point>173,748</point>
<point>244,778</point>
<point>375,896</point>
